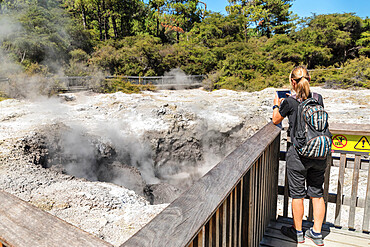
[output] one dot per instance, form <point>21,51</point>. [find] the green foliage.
<point>338,32</point>
<point>215,30</point>
<point>286,49</point>
<point>121,85</point>
<point>355,73</point>
<point>252,47</point>
<point>136,55</point>
<point>39,34</point>
<point>267,17</point>
<point>364,43</point>
<point>3,96</point>
<point>247,68</point>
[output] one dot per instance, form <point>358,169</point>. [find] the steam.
<point>133,152</point>
<point>8,26</point>
<point>35,79</point>
<point>179,76</point>
<point>117,153</point>
<point>106,155</point>
<point>178,79</point>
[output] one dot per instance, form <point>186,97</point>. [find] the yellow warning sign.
<point>351,143</point>
<point>363,144</point>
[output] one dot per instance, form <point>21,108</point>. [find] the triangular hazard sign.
<point>363,144</point>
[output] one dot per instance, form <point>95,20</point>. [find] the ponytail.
<point>302,78</point>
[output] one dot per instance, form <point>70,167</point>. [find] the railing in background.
<point>162,80</point>
<point>230,206</point>
<point>350,162</point>
<point>76,83</point>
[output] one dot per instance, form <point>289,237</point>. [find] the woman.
<point>301,169</point>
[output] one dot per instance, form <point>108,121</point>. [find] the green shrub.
<point>354,73</point>
<point>121,85</point>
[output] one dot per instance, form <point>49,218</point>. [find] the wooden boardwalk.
<point>333,237</point>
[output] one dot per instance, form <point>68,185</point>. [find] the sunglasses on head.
<point>297,80</point>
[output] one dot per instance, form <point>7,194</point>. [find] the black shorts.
<point>301,170</point>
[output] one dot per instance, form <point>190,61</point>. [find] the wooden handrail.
<point>22,224</point>
<point>345,128</point>
<point>350,129</point>
<point>232,203</point>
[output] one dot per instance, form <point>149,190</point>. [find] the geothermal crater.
<point>108,163</point>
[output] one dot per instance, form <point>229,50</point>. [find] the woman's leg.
<point>318,213</point>
<point>296,174</point>
<point>298,211</point>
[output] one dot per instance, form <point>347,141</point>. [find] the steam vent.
<point>108,163</point>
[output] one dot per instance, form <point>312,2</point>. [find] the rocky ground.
<point>108,163</point>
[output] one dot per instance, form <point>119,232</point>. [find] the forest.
<point>254,46</point>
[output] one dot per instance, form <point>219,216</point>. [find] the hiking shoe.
<point>316,239</point>
<point>292,233</point>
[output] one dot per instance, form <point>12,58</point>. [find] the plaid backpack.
<point>312,136</point>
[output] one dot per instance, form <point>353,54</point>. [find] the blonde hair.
<point>300,75</point>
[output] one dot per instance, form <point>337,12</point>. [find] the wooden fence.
<point>162,80</point>
<point>230,206</point>
<point>78,83</point>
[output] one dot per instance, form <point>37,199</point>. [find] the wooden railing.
<point>230,206</point>
<point>346,162</point>
<point>22,224</point>
<point>162,80</point>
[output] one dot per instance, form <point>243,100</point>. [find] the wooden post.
<point>338,207</point>
<point>365,224</point>
<point>355,179</point>
<point>286,186</point>
<point>329,162</point>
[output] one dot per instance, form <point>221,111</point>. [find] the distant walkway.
<point>79,83</point>
<point>83,83</point>
<point>165,82</point>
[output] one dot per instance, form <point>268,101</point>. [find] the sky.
<point>305,8</point>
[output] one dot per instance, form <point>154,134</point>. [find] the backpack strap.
<point>315,96</point>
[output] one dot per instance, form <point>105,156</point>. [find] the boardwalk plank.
<point>332,236</point>
<point>326,227</point>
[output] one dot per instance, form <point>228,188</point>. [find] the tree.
<point>339,32</point>
<point>279,19</point>
<point>181,15</point>
<point>247,13</point>
<point>284,48</point>
<point>41,34</point>
<point>364,41</point>
<point>267,17</point>
<point>215,30</point>
<point>158,7</point>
